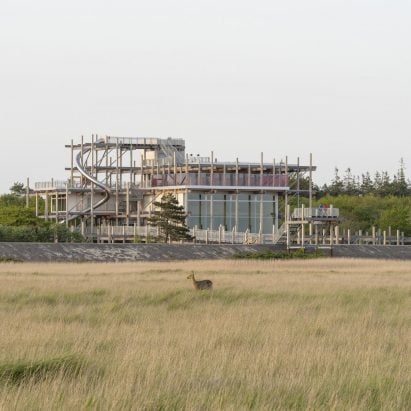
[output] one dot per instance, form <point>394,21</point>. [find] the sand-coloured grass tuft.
<point>314,334</point>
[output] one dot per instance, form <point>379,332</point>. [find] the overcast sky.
<point>290,77</point>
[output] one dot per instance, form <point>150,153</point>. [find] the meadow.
<point>310,334</point>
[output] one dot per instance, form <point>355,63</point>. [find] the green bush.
<point>46,234</point>
<point>279,255</point>
<point>363,212</point>
<point>19,371</point>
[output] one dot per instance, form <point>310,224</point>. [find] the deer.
<point>201,284</point>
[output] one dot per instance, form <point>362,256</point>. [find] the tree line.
<point>380,184</point>
<point>364,201</point>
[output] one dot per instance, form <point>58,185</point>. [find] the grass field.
<point>316,334</point>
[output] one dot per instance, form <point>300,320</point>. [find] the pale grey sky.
<point>331,77</point>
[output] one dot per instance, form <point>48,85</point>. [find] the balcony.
<point>219,180</point>
<point>316,213</point>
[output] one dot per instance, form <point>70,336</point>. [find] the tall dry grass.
<point>317,334</point>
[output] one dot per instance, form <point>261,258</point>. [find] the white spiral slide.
<point>82,169</point>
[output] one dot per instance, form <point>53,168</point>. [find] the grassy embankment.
<point>294,334</point>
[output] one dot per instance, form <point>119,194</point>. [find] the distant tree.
<point>337,186</point>
<point>350,185</point>
<point>400,186</point>
<point>17,189</point>
<point>382,184</point>
<point>170,218</point>
<point>366,186</point>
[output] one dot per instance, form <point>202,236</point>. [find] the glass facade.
<point>250,211</point>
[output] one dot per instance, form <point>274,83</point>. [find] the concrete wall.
<point>72,252</point>
<point>389,252</point>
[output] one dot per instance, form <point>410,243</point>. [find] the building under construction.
<point>113,183</point>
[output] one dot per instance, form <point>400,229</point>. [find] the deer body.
<point>201,284</point>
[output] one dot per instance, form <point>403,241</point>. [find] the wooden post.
<point>186,170</point>
<point>37,204</point>
<point>276,213</point>
<point>131,164</point>
<point>175,169</point>
<point>67,204</point>
<point>261,192</point>
<point>46,207</point>
<point>337,235</point>
<point>72,162</point>
<point>92,188</point>
<point>287,225</point>
<point>288,234</point>
<point>261,211</point>
<point>302,235</point>
<point>302,225</point>
<point>273,182</point>
<point>298,182</point>
<point>57,206</point>
<point>142,182</point>
<point>212,168</point>
<point>261,168</point>
<point>385,237</point>
<point>310,180</point>
<point>373,235</point>
<point>348,236</point>
<point>211,226</point>
<point>236,210</point>
<point>286,177</point>
<point>128,203</point>
<point>27,192</point>
<point>398,237</point>
<point>236,172</point>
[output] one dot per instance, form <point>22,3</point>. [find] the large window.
<point>213,210</point>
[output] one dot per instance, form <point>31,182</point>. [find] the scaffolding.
<point>115,181</point>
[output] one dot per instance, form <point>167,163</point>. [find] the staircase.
<point>169,150</point>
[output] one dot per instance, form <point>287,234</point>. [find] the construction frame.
<point>113,183</point>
